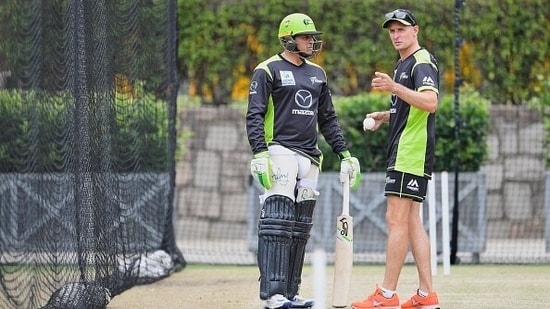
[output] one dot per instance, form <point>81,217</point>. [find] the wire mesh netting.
<point>90,204</point>
<point>87,143</point>
<point>502,209</point>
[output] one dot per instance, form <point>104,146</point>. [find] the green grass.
<point>468,286</point>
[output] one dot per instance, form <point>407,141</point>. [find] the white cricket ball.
<point>368,123</point>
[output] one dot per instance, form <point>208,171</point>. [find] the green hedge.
<point>27,121</point>
<point>541,103</point>
<point>38,133</point>
<point>370,147</point>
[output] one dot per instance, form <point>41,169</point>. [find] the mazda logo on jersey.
<point>303,98</point>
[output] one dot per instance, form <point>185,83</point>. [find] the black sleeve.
<point>328,123</point>
<point>258,98</point>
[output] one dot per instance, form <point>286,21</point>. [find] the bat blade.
<point>343,260</point>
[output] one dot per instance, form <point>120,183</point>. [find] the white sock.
<point>422,293</point>
<point>387,293</point>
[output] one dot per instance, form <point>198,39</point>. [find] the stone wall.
<point>212,176</point>
<point>515,173</point>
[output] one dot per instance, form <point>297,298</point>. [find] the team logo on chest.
<point>314,80</point>
<point>287,78</point>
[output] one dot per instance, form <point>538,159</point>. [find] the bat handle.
<point>345,196</point>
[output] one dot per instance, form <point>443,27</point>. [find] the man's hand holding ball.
<point>368,124</point>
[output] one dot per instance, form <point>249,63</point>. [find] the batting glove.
<point>260,168</point>
<point>349,167</point>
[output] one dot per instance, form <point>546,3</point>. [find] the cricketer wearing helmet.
<point>289,105</point>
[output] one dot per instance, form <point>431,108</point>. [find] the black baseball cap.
<point>403,16</point>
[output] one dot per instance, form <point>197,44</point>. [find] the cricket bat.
<point>343,260</point>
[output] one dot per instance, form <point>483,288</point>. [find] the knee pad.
<point>305,193</point>
<point>275,229</point>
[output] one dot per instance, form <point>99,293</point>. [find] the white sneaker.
<point>277,301</point>
<point>300,302</point>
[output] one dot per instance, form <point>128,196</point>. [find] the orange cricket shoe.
<point>418,302</point>
<point>377,300</point>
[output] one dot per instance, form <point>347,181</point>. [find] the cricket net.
<point>87,144</point>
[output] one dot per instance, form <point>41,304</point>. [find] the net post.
<point>432,221</point>
<point>445,222</point>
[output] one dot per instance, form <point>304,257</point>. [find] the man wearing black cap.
<point>411,118</point>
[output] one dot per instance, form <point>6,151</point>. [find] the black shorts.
<point>406,185</point>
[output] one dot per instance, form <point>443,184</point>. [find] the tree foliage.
<point>502,55</point>
<point>509,39</point>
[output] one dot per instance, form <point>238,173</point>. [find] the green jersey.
<point>411,144</point>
